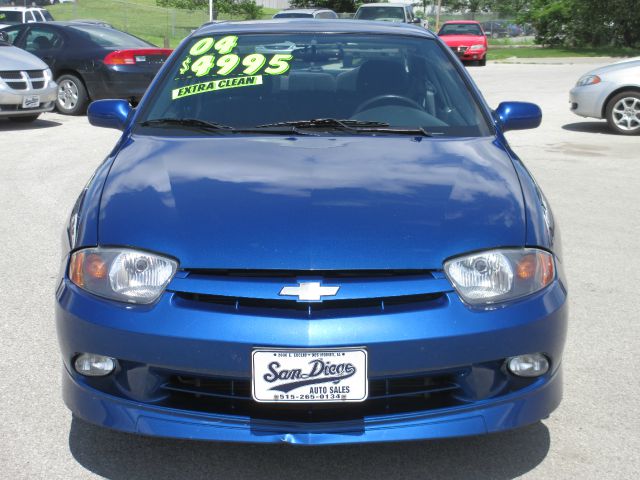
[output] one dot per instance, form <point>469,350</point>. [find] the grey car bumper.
<point>11,101</point>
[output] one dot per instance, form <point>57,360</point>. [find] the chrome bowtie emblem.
<point>309,291</point>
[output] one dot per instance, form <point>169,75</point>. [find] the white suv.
<point>16,15</point>
<point>26,87</point>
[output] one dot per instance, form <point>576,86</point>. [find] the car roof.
<point>301,25</point>
<point>20,9</point>
<point>366,5</point>
<point>68,23</point>
<point>462,21</point>
<point>304,10</point>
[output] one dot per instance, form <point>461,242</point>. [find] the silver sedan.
<point>613,93</point>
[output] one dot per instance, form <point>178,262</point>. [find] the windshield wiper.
<point>417,131</point>
<point>218,127</point>
<point>350,126</point>
<point>330,123</point>
<point>186,122</point>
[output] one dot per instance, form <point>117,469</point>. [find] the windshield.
<point>10,17</point>
<point>389,14</point>
<point>461,29</point>
<point>109,37</point>
<point>47,16</point>
<point>252,80</point>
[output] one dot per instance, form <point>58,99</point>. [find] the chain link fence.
<point>168,26</point>
<point>158,25</point>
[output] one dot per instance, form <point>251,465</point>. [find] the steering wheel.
<point>396,99</point>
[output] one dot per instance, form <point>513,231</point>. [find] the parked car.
<point>17,15</point>
<point>466,39</point>
<point>612,93</point>
<point>514,30</point>
<point>306,13</point>
<point>388,12</point>
<point>26,85</point>
<point>90,62</point>
<point>328,243</point>
<point>495,29</point>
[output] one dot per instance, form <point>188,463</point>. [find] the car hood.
<point>13,58</point>
<point>618,67</point>
<point>301,203</point>
<point>466,40</point>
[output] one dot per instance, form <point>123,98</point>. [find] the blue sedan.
<point>312,232</point>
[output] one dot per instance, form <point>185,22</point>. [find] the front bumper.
<point>589,100</point>
<point>11,101</point>
<point>467,55</point>
<point>176,337</point>
<point>529,406</point>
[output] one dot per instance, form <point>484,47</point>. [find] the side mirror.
<point>417,21</point>
<point>519,115</point>
<point>4,37</point>
<point>109,113</point>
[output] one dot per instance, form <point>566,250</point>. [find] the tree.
<point>586,22</point>
<point>248,9</point>
<point>471,7</point>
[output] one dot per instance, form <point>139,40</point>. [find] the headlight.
<point>47,76</point>
<point>121,274</point>
<point>588,80</point>
<point>500,275</point>
<point>476,47</point>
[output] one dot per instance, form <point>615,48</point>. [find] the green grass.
<point>510,41</point>
<point>539,52</point>
<point>141,18</point>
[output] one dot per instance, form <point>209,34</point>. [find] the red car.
<point>467,39</point>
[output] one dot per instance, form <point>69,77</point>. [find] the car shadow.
<point>8,126</point>
<point>589,127</point>
<point>116,455</point>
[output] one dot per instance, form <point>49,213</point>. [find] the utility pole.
<point>438,15</point>
<point>211,10</point>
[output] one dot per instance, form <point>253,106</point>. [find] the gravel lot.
<point>591,178</point>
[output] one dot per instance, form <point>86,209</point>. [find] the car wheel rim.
<point>626,113</point>
<point>67,94</point>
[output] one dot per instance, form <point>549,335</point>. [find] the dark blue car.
<point>312,232</point>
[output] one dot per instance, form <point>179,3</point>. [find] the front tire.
<point>72,95</point>
<point>483,62</point>
<point>623,113</point>
<point>25,118</point>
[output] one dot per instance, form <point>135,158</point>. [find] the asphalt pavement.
<point>591,178</point>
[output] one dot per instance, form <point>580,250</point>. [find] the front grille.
<point>17,85</point>
<point>461,50</point>
<point>19,80</point>
<point>360,292</point>
<point>386,396</point>
<point>326,308</point>
<point>11,75</point>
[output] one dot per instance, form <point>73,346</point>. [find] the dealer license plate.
<point>31,101</point>
<point>309,375</point>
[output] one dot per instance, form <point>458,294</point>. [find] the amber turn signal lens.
<point>527,267</point>
<point>95,266</point>
<point>536,264</point>
<point>548,272</point>
<point>76,272</point>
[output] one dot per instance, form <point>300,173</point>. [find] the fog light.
<point>531,365</point>
<point>92,365</point>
